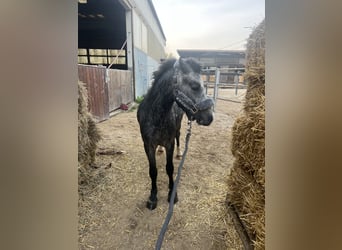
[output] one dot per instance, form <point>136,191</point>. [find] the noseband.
<point>189,106</point>
<point>186,103</point>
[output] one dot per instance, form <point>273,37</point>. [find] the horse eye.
<point>195,85</point>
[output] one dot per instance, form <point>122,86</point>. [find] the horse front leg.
<point>170,168</point>
<point>179,153</point>
<point>150,152</point>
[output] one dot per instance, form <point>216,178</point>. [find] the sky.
<point>208,24</point>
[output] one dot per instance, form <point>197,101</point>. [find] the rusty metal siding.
<point>94,79</point>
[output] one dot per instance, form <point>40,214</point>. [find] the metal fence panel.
<point>120,88</point>
<point>114,89</point>
<point>126,87</point>
<point>103,96</point>
<point>94,79</point>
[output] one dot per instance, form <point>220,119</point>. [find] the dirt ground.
<point>112,212</point>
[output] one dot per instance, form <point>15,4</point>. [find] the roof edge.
<point>211,50</point>
<point>156,16</point>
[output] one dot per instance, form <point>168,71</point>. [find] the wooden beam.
<point>240,228</point>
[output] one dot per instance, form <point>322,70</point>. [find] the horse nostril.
<point>211,118</point>
<point>205,121</point>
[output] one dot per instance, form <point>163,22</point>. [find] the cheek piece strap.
<point>189,106</point>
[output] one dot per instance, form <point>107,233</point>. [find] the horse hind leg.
<point>150,152</point>
<point>169,170</point>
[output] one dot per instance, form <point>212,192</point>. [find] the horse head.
<point>189,92</point>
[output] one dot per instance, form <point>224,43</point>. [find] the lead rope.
<point>173,194</point>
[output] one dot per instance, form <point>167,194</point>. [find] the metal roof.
<point>210,53</point>
<point>216,58</point>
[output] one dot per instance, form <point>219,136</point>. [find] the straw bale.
<point>88,134</point>
<point>248,145</point>
<point>255,55</point>
<point>248,196</point>
<point>246,183</point>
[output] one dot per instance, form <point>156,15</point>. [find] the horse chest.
<point>165,133</point>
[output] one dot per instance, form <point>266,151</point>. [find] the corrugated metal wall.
<point>155,47</point>
<point>152,66</point>
<point>140,72</point>
<point>145,66</point>
<point>146,14</point>
<point>148,47</point>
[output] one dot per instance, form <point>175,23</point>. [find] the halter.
<point>189,106</point>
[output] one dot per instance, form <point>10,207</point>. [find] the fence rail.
<point>221,78</point>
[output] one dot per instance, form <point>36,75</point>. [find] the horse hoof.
<point>151,204</point>
<point>169,198</point>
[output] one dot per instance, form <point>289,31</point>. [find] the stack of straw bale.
<point>88,134</point>
<point>247,177</point>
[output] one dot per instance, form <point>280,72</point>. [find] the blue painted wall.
<point>144,66</point>
<point>140,72</point>
<point>152,66</point>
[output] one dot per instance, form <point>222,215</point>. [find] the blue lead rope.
<point>173,194</point>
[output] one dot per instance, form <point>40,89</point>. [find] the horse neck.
<point>163,98</point>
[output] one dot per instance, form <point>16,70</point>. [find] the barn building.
<point>216,58</point>
<point>121,35</point>
<point>225,60</point>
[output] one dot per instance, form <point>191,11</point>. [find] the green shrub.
<point>139,99</point>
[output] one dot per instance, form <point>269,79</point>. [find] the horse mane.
<point>159,97</point>
<point>161,90</point>
<point>169,63</point>
<point>165,66</point>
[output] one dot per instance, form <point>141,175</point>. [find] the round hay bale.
<point>246,182</point>
<point>88,134</point>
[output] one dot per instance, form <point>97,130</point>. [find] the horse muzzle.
<point>204,118</point>
<point>201,112</point>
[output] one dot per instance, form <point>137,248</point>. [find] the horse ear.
<point>183,65</point>
<point>181,62</point>
<point>196,67</point>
